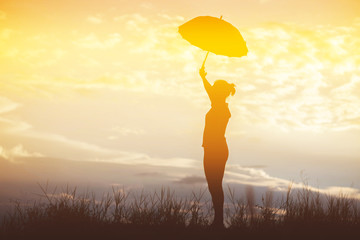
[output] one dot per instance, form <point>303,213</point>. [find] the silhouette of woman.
<point>215,147</point>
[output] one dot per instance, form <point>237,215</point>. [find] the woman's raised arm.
<point>206,83</point>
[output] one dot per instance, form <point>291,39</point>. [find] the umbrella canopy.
<point>214,35</point>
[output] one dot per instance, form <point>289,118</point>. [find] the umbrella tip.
<point>220,17</point>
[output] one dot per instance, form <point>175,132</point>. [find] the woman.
<point>215,147</point>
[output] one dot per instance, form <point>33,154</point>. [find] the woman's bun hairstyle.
<point>223,87</point>
<point>232,89</point>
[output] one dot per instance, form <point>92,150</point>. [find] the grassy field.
<point>65,214</point>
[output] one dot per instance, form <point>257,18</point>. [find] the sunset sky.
<point>107,93</point>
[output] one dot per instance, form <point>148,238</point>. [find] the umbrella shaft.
<point>203,65</point>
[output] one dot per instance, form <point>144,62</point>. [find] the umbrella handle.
<point>203,65</point>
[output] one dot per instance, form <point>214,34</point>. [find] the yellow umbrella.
<point>214,35</point>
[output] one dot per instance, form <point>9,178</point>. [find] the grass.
<point>162,215</point>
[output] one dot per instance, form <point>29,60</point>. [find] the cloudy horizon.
<point>112,82</point>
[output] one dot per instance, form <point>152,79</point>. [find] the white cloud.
<point>125,131</point>
<point>143,159</point>
<point>343,191</point>
<point>171,18</point>
<point>92,41</point>
<point>146,5</point>
<point>97,19</point>
<point>13,125</point>
<point>258,177</point>
<point>17,151</point>
<point>7,105</point>
<point>81,145</point>
<point>253,176</point>
<point>9,123</point>
<point>134,18</point>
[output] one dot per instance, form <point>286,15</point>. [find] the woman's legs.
<point>217,195</point>
<point>214,166</point>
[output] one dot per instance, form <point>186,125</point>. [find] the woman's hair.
<point>224,88</point>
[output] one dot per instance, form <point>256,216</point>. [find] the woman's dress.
<point>214,142</point>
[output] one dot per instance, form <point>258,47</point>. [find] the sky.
<point>107,93</point>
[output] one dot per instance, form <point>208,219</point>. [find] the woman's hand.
<point>202,72</point>
<point>206,83</point>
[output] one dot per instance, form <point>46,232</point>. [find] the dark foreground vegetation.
<point>301,214</point>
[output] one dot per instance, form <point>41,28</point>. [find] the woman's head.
<point>222,89</point>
